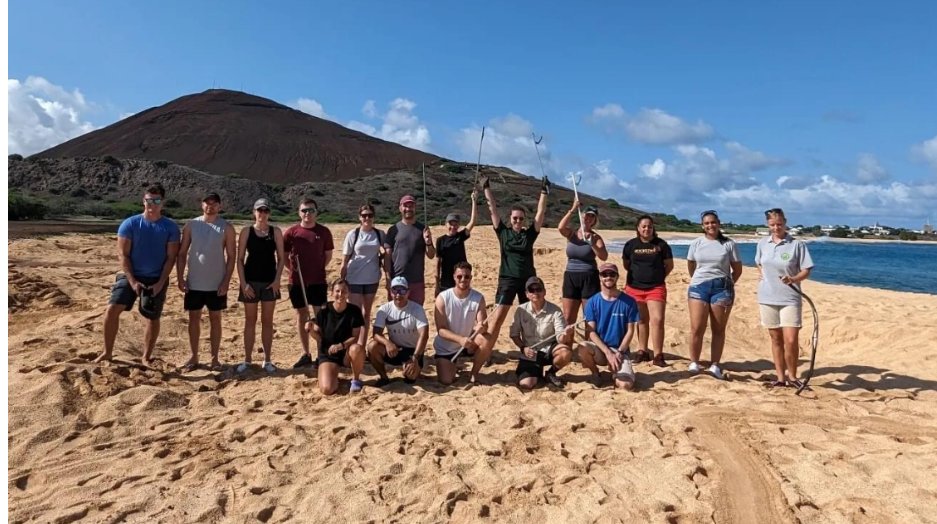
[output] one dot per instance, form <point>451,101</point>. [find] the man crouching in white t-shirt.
<point>407,334</point>
<point>461,329</point>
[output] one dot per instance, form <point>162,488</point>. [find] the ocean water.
<point>897,266</point>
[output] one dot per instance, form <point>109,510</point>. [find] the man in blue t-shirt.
<point>612,317</point>
<point>147,245</point>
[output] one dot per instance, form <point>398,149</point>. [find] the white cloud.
<point>42,115</point>
<point>599,179</point>
<point>508,142</point>
<point>869,170</point>
<point>744,159</point>
<point>399,124</point>
<point>927,151</point>
<point>311,107</point>
<point>654,170</point>
<point>650,126</point>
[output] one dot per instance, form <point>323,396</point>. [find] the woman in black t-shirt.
<point>450,248</point>
<point>336,333</point>
<point>648,260</point>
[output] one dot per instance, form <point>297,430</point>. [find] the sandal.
<point>659,361</point>
<point>641,355</point>
<point>776,384</point>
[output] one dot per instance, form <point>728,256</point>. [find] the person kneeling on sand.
<point>540,332</point>
<point>461,317</point>
<point>336,332</point>
<point>407,334</point>
<point>612,316</point>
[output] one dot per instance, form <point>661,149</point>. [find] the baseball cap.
<point>608,266</point>
<point>533,280</point>
<point>593,209</point>
<point>261,202</point>
<point>399,282</point>
<point>453,217</point>
<point>407,198</point>
<point>148,304</point>
<point>212,196</point>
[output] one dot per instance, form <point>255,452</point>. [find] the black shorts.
<point>123,294</point>
<point>316,293</point>
<point>196,300</point>
<point>363,289</point>
<point>338,358</point>
<point>580,285</point>
<point>508,288</point>
<point>403,355</point>
<point>529,368</point>
<point>262,293</point>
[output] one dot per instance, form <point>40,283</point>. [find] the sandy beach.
<point>135,443</point>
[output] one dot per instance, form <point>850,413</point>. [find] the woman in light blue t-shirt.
<point>715,266</point>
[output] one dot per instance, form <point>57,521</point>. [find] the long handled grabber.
<point>545,343</point>
<point>479,162</point>
<point>425,201</point>
<point>814,339</point>
<point>302,285</point>
<point>573,178</point>
<point>475,332</point>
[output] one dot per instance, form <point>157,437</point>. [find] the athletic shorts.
<point>655,294</point>
<point>122,293</point>
<point>262,293</point>
<point>580,285</point>
<point>625,372</point>
<point>315,293</point>
<point>718,292</point>
<point>534,368</point>
<point>337,359</point>
<point>773,317</point>
<point>403,355</point>
<point>508,288</point>
<point>362,289</point>
<point>196,300</point>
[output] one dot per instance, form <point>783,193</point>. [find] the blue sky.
<point>827,109</point>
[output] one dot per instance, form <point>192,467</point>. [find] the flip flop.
<point>189,367</point>
<point>776,384</point>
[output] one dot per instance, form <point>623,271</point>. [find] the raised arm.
<point>471,225</point>
<point>541,210</point>
<point>492,205</point>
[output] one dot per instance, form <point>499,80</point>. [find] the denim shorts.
<point>718,292</point>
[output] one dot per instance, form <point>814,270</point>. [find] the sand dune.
<point>128,442</point>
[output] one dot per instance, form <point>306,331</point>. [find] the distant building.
<point>762,231</point>
<point>928,228</point>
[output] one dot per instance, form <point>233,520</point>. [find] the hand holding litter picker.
<point>471,337</point>
<point>582,231</point>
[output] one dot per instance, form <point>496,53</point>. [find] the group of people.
<point>337,316</point>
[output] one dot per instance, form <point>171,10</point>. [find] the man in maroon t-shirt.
<point>308,247</point>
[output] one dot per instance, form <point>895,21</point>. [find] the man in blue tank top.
<point>147,245</point>
<point>208,247</point>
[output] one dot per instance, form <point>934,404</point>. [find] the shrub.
<point>162,164</point>
<point>108,159</point>
<point>907,235</point>
<point>78,193</point>
<point>612,203</point>
<point>25,208</point>
<point>15,157</point>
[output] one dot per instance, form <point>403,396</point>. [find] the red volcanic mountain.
<point>225,132</point>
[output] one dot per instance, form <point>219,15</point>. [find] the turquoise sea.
<point>897,266</point>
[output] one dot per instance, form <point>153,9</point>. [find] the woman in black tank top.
<point>262,245</point>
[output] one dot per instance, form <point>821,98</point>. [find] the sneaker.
<point>242,367</point>
<point>716,372</point>
<point>626,371</point>
<point>554,380</point>
<point>356,386</point>
<point>269,367</point>
<point>659,361</point>
<point>305,360</point>
<point>695,367</point>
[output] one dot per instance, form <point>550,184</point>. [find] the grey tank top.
<point>206,254</point>
<point>579,255</point>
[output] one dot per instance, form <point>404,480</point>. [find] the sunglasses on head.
<point>774,210</point>
<point>708,212</point>
<point>536,289</point>
<point>606,274</point>
<point>463,277</point>
<point>308,210</point>
<point>399,290</point>
<point>154,201</point>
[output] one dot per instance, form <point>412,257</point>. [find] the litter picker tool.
<point>573,177</point>
<point>546,342</point>
<point>479,162</point>
<point>425,201</point>
<point>470,337</point>
<point>814,339</point>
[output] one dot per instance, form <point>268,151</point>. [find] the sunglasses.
<point>308,210</point>
<point>367,215</point>
<point>518,219</point>
<point>263,210</point>
<point>607,274</point>
<point>535,289</point>
<point>399,290</point>
<point>708,212</point>
<point>154,201</point>
<point>463,277</point>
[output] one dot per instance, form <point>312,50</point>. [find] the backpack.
<point>380,242</point>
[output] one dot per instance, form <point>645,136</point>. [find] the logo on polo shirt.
<point>785,256</point>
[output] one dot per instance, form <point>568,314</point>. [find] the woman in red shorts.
<point>648,260</point>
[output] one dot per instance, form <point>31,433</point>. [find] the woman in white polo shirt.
<point>784,262</point>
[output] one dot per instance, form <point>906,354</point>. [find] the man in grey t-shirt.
<point>208,247</point>
<point>406,243</point>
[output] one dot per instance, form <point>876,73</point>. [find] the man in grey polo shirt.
<point>407,243</point>
<point>208,247</point>
<point>540,332</point>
